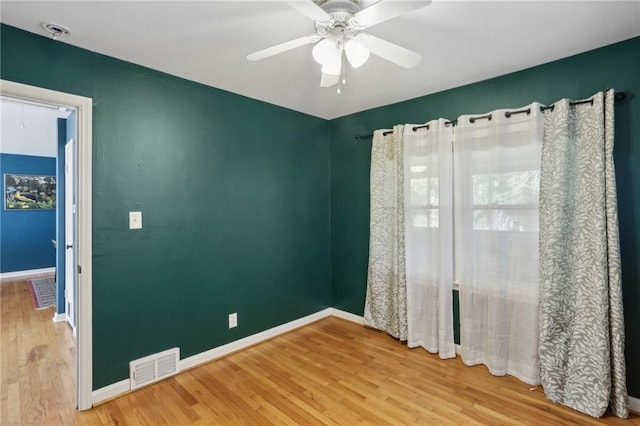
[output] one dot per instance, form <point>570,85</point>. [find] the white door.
<point>69,235</point>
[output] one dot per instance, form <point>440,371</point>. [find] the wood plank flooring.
<point>37,361</point>
<point>330,372</point>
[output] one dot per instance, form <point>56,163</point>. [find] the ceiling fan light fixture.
<point>333,65</point>
<point>356,52</point>
<point>324,51</point>
<point>339,26</point>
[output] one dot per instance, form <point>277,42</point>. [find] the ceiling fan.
<point>338,33</point>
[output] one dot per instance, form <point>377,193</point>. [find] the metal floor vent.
<point>154,367</point>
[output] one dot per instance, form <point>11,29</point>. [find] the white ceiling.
<point>29,129</point>
<point>206,41</point>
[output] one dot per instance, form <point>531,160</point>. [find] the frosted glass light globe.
<point>324,51</point>
<point>333,64</point>
<point>357,53</point>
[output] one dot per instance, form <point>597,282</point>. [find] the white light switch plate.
<point>135,220</point>
<point>233,320</point>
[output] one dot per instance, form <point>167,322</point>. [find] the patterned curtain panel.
<point>428,193</point>
<point>496,184</point>
<point>386,300</point>
<point>581,319</point>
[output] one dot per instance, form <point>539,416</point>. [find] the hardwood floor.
<point>37,361</point>
<point>330,372</point>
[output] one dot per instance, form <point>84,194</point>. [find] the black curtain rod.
<point>550,107</point>
<point>414,128</point>
<point>617,97</point>
<point>385,133</point>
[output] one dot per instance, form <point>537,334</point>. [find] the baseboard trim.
<point>124,386</point>
<point>109,392</point>
<point>346,315</point>
<point>60,317</point>
<point>254,339</point>
<point>31,273</point>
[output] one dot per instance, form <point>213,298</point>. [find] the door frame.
<point>84,143</point>
<point>70,231</point>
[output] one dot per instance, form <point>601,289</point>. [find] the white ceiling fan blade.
<point>329,80</point>
<point>283,47</point>
<point>309,9</point>
<point>385,10</point>
<point>391,52</point>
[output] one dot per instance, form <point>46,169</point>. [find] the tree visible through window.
<point>506,201</point>
<point>424,200</point>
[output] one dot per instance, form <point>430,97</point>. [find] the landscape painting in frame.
<point>29,192</point>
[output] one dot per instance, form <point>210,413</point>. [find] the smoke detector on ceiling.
<point>57,31</point>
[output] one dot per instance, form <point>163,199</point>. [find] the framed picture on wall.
<point>29,192</point>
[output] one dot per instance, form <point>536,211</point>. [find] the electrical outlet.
<point>233,320</point>
<point>135,220</point>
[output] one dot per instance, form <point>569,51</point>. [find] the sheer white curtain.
<point>496,185</point>
<point>428,216</point>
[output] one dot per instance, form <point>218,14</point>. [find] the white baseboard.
<point>346,315</point>
<point>634,405</point>
<point>254,339</point>
<point>32,273</point>
<point>59,317</point>
<point>109,392</point>
<point>124,386</point>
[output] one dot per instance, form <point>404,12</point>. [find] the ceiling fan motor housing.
<point>346,8</point>
<point>342,25</point>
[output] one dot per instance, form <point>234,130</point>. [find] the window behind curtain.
<point>496,181</point>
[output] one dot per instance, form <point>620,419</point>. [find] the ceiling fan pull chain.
<point>341,78</point>
<point>344,71</point>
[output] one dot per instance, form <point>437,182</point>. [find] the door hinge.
<point>79,269</point>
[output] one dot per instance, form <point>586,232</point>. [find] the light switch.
<point>233,320</point>
<point>135,220</point>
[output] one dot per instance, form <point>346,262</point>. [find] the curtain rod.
<point>617,97</point>
<point>414,128</point>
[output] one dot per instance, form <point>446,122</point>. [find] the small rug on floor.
<point>43,291</point>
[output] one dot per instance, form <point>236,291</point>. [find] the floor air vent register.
<point>155,367</point>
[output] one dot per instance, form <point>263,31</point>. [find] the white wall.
<point>28,129</point>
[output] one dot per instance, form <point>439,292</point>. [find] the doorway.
<point>82,224</point>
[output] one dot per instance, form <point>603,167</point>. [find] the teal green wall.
<point>235,201</point>
<point>259,210</point>
<point>616,66</point>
